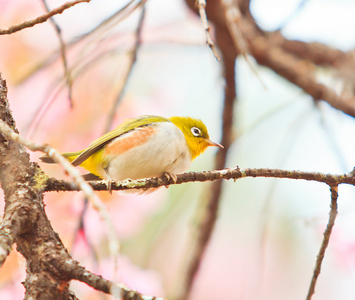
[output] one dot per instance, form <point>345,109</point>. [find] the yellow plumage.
<point>148,146</point>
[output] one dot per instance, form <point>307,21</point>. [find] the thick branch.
<point>71,170</point>
<point>19,216</point>
<point>49,266</point>
<point>295,61</point>
<point>297,71</point>
<point>24,220</point>
<point>317,53</point>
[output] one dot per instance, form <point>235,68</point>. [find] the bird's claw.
<point>171,176</point>
<point>108,183</point>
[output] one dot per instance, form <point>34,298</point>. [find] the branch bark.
<point>295,61</point>
<point>40,19</point>
<point>24,221</point>
<point>49,266</point>
<point>326,236</point>
<point>53,184</point>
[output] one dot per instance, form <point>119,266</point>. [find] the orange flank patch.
<point>130,140</point>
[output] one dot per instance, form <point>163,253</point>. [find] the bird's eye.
<point>196,131</point>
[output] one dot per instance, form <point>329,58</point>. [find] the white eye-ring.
<point>196,131</point>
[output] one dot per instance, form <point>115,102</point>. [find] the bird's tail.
<point>69,156</point>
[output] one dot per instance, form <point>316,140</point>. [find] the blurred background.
<point>268,231</point>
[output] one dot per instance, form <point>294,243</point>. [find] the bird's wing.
<point>108,137</point>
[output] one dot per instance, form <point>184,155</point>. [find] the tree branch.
<point>41,19</point>
<point>72,171</point>
<point>24,219</point>
<point>317,53</point>
<point>78,272</point>
<point>53,184</point>
<point>296,61</point>
<point>49,266</point>
<point>63,54</point>
<point>332,215</point>
<point>201,5</point>
<point>297,71</point>
<point>133,54</point>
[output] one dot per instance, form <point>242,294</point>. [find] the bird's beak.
<point>211,143</point>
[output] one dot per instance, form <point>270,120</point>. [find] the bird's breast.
<point>148,151</point>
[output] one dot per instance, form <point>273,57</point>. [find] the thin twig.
<point>112,20</point>
<point>40,19</point>
<point>82,66</point>
<point>55,185</point>
<point>332,215</point>
<point>234,24</point>
<point>63,55</point>
<point>72,42</point>
<point>82,185</point>
<point>132,60</point>
<point>201,5</point>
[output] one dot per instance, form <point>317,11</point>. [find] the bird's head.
<point>196,134</point>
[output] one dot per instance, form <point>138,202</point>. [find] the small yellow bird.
<point>148,146</point>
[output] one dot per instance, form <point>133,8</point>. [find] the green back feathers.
<point>77,158</point>
<point>194,130</point>
<point>69,156</point>
<point>108,137</point>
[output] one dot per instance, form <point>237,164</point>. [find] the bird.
<point>144,147</point>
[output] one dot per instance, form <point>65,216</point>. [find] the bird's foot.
<point>171,176</point>
<point>108,183</point>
